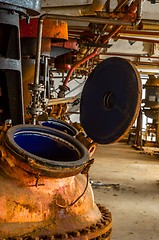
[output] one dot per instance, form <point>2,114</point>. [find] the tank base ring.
<point>101,230</point>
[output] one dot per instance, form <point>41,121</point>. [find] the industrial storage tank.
<point>45,192</point>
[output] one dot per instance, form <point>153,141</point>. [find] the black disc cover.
<point>110,100</point>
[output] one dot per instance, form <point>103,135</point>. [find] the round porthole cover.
<point>110,100</point>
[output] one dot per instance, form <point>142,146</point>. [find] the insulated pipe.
<point>96,5</point>
<point>88,9</point>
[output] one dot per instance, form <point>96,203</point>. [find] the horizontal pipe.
<point>78,29</point>
<point>146,34</point>
<point>138,39</point>
<point>150,22</point>
<point>79,10</point>
<point>128,55</point>
<point>140,32</point>
<point>149,64</point>
<point>143,66</point>
<point>140,65</point>
<point>88,19</point>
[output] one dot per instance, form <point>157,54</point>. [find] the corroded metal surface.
<point>101,230</point>
<point>36,205</point>
<point>41,150</point>
<point>57,30</point>
<point>110,100</point>
<point>87,142</point>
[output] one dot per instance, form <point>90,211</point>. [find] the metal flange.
<point>101,230</point>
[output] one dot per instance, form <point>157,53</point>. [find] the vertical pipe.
<point>157,135</point>
<point>139,9</point>
<point>45,76</point>
<point>139,130</point>
<point>38,53</point>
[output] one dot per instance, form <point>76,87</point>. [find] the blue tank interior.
<point>59,126</point>
<point>46,147</point>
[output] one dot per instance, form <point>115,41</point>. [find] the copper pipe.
<point>120,6</point>
<point>65,17</point>
<point>114,31</point>
<point>72,18</point>
<point>78,64</point>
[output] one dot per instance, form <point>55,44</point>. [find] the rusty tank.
<point>45,191</point>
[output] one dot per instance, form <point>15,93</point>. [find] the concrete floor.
<point>127,183</point>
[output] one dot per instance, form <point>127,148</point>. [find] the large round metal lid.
<point>110,100</point>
